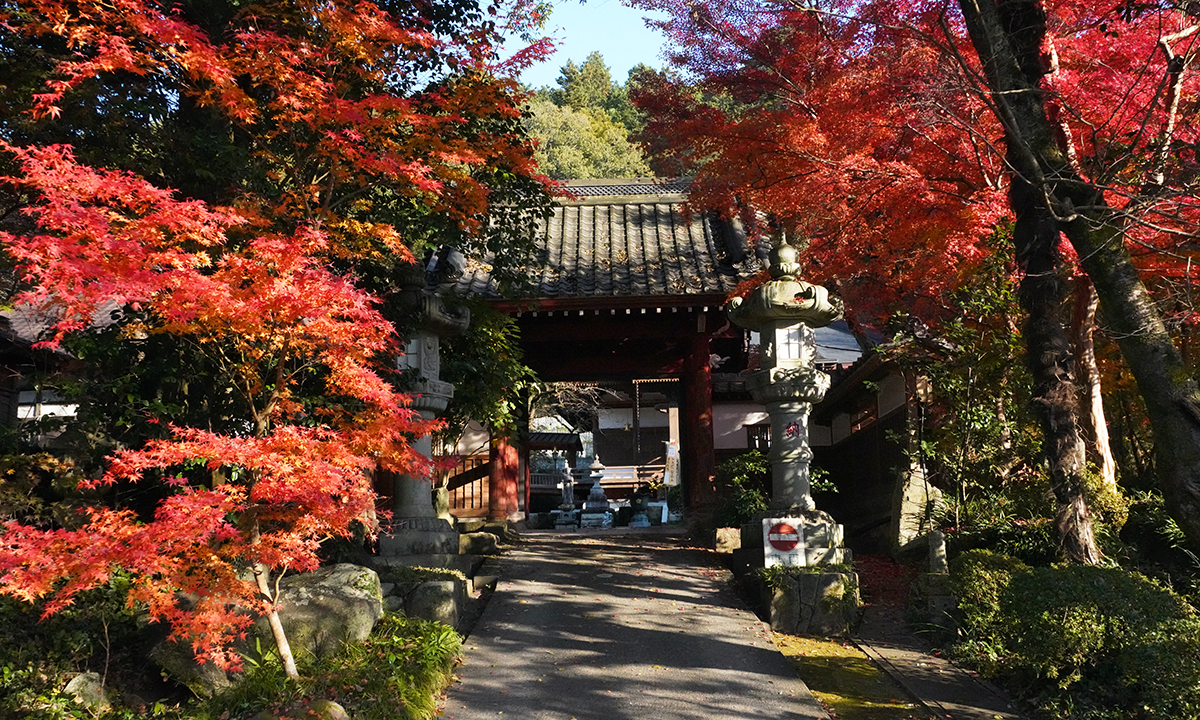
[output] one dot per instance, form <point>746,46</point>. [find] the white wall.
<point>620,418</point>
<point>474,440</point>
<point>730,421</point>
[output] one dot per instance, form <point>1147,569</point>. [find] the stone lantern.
<point>416,528</point>
<point>784,310</point>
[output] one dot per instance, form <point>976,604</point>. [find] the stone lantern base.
<point>824,542</point>
<point>419,536</point>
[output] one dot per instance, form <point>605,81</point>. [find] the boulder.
<point>328,607</point>
<point>728,539</point>
<point>435,600</point>
<point>478,543</point>
<point>178,661</point>
<point>88,690</point>
<point>312,710</point>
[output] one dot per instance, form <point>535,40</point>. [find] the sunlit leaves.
<point>341,134</point>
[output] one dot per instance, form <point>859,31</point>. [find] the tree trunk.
<point>262,577</point>
<point>1042,294</point>
<point>1087,372</point>
<point>1007,35</point>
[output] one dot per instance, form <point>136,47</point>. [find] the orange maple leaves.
<point>271,311</point>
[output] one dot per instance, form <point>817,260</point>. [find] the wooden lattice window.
<point>758,437</point>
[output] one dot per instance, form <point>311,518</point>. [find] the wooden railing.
<point>468,483</point>
<point>468,487</point>
<point>619,479</point>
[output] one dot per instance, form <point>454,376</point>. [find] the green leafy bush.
<point>399,673</point>
<point>741,489</point>
<point>1084,642</point>
<point>98,633</point>
<point>980,577</point>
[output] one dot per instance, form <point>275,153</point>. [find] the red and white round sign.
<point>783,537</point>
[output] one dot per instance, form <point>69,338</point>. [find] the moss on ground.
<point>846,682</point>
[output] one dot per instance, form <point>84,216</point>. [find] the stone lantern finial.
<point>785,261</point>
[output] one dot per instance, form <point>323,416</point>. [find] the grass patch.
<point>404,574</point>
<point>399,673</point>
<point>846,682</point>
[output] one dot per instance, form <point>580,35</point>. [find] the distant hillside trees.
<point>584,125</point>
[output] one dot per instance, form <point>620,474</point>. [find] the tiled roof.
<point>586,189</point>
<point>636,242</point>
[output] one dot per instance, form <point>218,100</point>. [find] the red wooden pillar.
<point>503,474</point>
<point>699,463</point>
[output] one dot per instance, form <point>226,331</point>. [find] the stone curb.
<point>941,687</point>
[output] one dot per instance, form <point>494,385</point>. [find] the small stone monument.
<point>564,518</point>
<point>639,504</point>
<point>416,528</point>
<point>596,512</point>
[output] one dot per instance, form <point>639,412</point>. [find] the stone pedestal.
<point>822,603</point>
<point>565,520</point>
<point>822,538</point>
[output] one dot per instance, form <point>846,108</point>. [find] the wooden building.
<point>630,296</point>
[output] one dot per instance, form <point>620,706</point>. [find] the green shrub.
<point>99,632</point>
<point>979,579</point>
<point>1032,540</point>
<point>741,489</point>
<point>1084,642</point>
<point>397,674</point>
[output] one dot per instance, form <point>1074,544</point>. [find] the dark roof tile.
<point>641,244</point>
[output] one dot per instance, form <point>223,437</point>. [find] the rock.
<point>813,603</point>
<point>471,526</point>
<point>478,543</point>
<point>785,606</point>
<point>503,530</point>
<point>437,600</point>
<point>728,539</point>
<point>327,710</point>
<point>324,609</point>
<point>88,690</point>
<point>179,662</point>
<point>320,709</point>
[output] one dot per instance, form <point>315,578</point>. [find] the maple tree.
<point>352,135</point>
<point>876,130</point>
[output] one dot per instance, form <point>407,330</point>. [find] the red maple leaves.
<point>868,127</point>
<point>336,104</point>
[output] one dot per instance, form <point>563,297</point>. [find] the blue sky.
<point>618,32</point>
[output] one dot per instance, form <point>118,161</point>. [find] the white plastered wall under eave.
<point>730,421</point>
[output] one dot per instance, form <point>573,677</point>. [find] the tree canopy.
<point>242,181</point>
<point>897,136</point>
<point>583,126</point>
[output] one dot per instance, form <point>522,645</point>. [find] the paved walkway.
<point>945,689</point>
<point>621,627</point>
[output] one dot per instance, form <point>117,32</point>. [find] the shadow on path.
<point>621,627</point>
